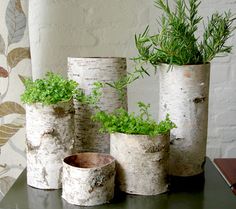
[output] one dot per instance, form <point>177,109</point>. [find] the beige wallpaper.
<point>14,63</point>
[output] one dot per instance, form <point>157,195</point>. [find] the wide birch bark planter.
<point>184,92</point>
<point>86,71</point>
<point>50,137</point>
<point>88,179</point>
<point>142,163</point>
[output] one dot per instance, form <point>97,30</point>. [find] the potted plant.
<point>183,63</point>
<point>141,148</point>
<point>85,71</point>
<point>49,128</point>
<point>88,178</point>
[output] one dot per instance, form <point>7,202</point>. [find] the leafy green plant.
<point>93,98</point>
<point>49,90</point>
<point>54,88</point>
<point>123,122</point>
<point>176,41</point>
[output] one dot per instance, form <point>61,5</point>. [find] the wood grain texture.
<point>88,179</point>
<point>50,137</point>
<point>184,93</point>
<point>86,71</point>
<point>142,163</point>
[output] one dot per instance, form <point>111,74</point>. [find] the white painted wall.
<point>62,28</point>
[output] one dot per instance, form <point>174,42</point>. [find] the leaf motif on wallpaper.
<point>2,45</point>
<point>23,78</point>
<point>7,108</point>
<point>16,55</point>
<point>3,72</point>
<point>15,21</point>
<point>10,129</point>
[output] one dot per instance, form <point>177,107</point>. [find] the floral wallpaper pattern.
<point>13,51</point>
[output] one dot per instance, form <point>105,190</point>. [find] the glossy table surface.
<point>207,191</point>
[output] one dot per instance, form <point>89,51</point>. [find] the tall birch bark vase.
<point>142,163</point>
<point>184,93</point>
<point>50,137</point>
<point>86,71</point>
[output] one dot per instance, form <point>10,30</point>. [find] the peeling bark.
<point>88,179</point>
<point>86,71</point>
<point>50,138</point>
<point>142,163</point>
<point>184,92</point>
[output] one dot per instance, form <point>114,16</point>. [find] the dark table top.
<point>207,191</point>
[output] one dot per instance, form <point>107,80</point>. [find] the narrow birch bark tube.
<point>88,179</point>
<point>142,163</point>
<point>50,137</point>
<point>184,93</point>
<point>86,71</point>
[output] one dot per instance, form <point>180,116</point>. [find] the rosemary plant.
<point>176,41</point>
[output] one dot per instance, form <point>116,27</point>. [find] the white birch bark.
<point>88,179</point>
<point>142,163</point>
<point>50,137</point>
<point>86,71</point>
<point>184,92</point>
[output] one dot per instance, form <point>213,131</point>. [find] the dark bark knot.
<point>60,112</point>
<point>174,140</point>
<point>30,147</point>
<point>99,180</point>
<point>153,148</point>
<point>199,100</point>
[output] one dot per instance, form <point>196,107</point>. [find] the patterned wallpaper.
<point>14,66</point>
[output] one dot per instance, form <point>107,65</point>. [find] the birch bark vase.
<point>86,71</point>
<point>142,163</point>
<point>88,179</point>
<point>184,94</point>
<point>50,137</point>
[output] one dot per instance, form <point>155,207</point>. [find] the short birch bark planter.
<point>88,179</point>
<point>50,137</point>
<point>184,94</point>
<point>86,71</point>
<point>142,163</point>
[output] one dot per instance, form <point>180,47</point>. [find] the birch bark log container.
<point>88,179</point>
<point>86,71</point>
<point>142,163</point>
<point>184,94</point>
<point>50,137</point>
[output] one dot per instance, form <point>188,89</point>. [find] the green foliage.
<point>176,42</point>
<point>121,84</point>
<point>123,122</point>
<point>50,90</point>
<point>54,88</point>
<point>217,32</point>
<point>93,98</point>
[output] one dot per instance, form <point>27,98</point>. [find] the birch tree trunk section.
<point>88,179</point>
<point>86,71</point>
<point>142,163</point>
<point>184,93</point>
<point>50,137</point>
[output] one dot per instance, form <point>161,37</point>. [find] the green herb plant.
<point>122,122</point>
<point>54,88</point>
<point>176,41</point>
